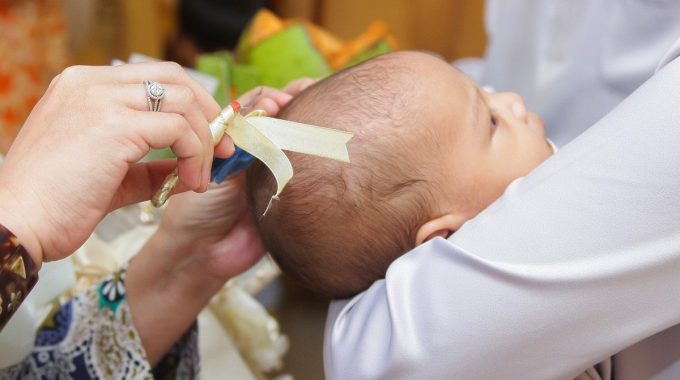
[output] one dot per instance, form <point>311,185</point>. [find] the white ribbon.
<point>266,138</point>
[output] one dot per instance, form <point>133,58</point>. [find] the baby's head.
<point>430,151</point>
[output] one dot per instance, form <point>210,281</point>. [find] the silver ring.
<point>154,94</point>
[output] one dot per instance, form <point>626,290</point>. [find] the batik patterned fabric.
<point>92,337</point>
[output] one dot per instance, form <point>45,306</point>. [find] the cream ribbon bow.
<point>266,138</point>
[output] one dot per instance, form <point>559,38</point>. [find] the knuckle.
<point>177,122</point>
<point>173,67</point>
<point>185,96</point>
<point>55,80</point>
<point>189,147</point>
<point>72,73</point>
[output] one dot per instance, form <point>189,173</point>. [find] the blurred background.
<point>42,37</point>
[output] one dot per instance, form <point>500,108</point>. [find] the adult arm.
<point>143,317</point>
<point>574,263</point>
<point>92,337</point>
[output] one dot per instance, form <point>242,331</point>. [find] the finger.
<point>297,86</point>
<point>251,97</point>
<point>243,244</point>
<point>142,181</point>
<point>225,148</point>
<point>268,105</point>
<point>179,99</point>
<point>182,100</point>
<point>162,72</point>
<point>161,130</point>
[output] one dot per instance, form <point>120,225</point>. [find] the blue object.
<point>224,167</point>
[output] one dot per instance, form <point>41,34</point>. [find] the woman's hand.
<point>76,158</point>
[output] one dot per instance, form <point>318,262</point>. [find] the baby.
<point>430,151</point>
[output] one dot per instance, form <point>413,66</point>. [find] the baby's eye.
<point>493,121</point>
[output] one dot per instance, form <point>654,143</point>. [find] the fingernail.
<point>199,185</point>
<point>206,179</point>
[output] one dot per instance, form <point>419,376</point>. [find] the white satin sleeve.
<point>574,263</point>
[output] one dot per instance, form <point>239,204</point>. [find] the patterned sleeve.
<point>92,337</point>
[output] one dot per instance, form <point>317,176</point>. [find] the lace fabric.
<point>92,337</point>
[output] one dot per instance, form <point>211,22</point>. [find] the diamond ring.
<point>154,95</point>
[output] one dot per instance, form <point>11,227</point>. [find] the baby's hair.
<point>337,226</point>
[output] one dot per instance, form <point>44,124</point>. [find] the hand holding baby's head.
<point>428,154</point>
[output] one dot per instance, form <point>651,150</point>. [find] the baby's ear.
<point>442,226</point>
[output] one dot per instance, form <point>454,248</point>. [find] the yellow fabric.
<point>266,138</point>
<point>304,138</point>
<point>252,141</point>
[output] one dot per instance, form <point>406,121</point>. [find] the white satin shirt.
<point>575,263</point>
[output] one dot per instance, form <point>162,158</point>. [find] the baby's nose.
<point>512,103</point>
<point>517,106</point>
<point>520,111</point>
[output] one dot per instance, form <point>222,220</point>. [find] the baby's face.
<point>492,138</point>
<point>505,142</point>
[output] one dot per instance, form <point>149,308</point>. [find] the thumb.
<point>142,181</point>
<point>241,249</point>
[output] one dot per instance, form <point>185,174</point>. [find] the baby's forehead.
<point>389,93</point>
<point>431,78</point>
